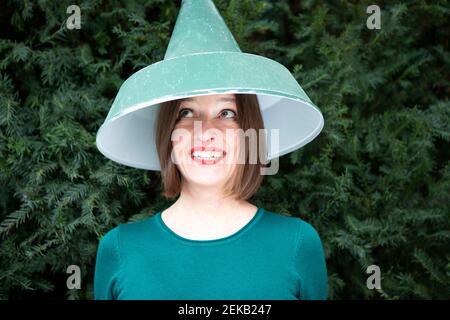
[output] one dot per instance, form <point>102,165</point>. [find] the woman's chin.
<point>206,167</point>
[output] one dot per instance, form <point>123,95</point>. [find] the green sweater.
<point>272,257</point>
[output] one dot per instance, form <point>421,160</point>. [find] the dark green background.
<point>375,183</point>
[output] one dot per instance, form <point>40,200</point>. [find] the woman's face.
<point>205,141</point>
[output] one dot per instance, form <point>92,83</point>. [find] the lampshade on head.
<point>203,58</point>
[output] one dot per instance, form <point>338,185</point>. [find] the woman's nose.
<point>209,133</point>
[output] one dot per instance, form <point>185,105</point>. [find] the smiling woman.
<point>242,112</point>
<point>212,242</point>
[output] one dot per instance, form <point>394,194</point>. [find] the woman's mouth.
<point>207,155</point>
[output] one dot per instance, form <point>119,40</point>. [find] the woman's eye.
<point>224,114</point>
<point>230,112</point>
<point>186,113</point>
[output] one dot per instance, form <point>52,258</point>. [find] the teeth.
<point>207,155</point>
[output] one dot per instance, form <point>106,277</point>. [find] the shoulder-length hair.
<point>247,177</point>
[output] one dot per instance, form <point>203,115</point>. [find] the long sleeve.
<point>107,266</point>
<point>311,264</point>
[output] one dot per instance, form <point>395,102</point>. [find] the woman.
<point>197,116</point>
<point>212,243</point>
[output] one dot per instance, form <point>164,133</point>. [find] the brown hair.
<point>246,178</point>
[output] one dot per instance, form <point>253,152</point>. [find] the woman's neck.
<point>205,205</point>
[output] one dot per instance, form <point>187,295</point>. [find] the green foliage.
<point>375,183</point>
